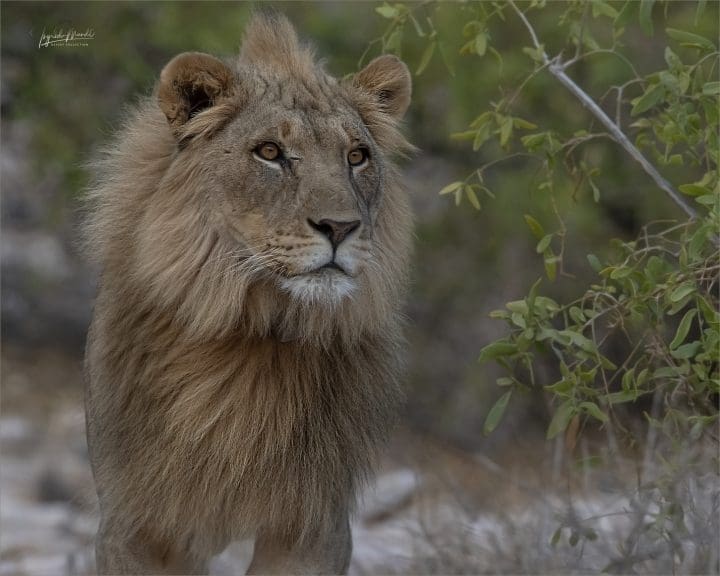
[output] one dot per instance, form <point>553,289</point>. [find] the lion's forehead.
<point>317,132</point>
<point>311,91</point>
<point>304,106</point>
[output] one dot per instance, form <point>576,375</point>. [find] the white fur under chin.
<point>325,288</point>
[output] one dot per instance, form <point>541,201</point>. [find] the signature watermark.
<point>68,38</point>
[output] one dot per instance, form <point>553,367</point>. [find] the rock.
<point>391,492</point>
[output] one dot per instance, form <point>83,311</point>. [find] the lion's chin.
<point>323,287</point>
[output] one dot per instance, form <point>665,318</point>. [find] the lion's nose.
<point>335,231</point>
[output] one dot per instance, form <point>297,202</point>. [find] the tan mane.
<point>270,39</point>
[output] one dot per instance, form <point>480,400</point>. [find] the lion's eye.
<point>357,156</point>
<point>268,151</point>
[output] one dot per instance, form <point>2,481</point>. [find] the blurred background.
<point>448,499</point>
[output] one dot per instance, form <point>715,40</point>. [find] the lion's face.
<point>299,189</point>
<point>277,196</point>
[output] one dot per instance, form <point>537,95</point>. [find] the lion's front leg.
<point>325,554</point>
<point>137,554</point>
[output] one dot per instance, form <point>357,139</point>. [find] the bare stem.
<point>557,69</point>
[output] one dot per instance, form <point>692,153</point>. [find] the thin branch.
<point>557,69</point>
<point>621,139</point>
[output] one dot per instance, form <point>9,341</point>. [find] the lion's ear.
<point>190,83</point>
<point>388,81</point>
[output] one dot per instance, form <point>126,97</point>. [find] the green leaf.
<point>710,314</point>
<point>550,261</point>
<point>711,88</point>
<point>481,136</point>
<point>472,197</point>
<point>562,387</point>
<point>533,141</point>
<point>544,243</point>
<point>451,188</point>
<point>425,59</point>
<point>605,362</point>
<point>484,118</point>
<point>535,53</point>
<point>505,130</point>
<point>594,262</point>
<point>481,44</point>
<point>532,299</point>
<point>519,306</point>
<point>387,11</point>
<point>580,341</point>
<point>683,328</point>
<point>669,372</point>
<point>672,59</point>
<point>686,351</point>
<point>645,16</point>
<point>499,314</point>
<point>622,397</point>
<point>594,411</point>
<point>690,39</point>
<point>600,8</point>
<point>650,98</point>
<point>523,124</point>
<point>655,268</point>
<point>627,379</point>
<point>681,291</point>
<point>497,349</point>
<point>534,226</point>
<point>546,303</point>
<point>621,272</point>
<point>708,200</point>
<point>496,413</point>
<point>560,419</point>
<point>465,135</point>
<point>577,315</point>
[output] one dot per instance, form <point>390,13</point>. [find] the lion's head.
<point>261,194</point>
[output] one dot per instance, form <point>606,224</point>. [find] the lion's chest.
<point>273,431</point>
<point>241,434</point>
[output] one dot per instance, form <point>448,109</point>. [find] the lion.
<point>253,237</point>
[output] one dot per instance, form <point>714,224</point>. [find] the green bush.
<point>643,338</point>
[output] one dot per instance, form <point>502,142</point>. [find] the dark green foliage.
<point>643,285</point>
<point>642,336</point>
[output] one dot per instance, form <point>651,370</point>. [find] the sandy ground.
<point>433,509</point>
